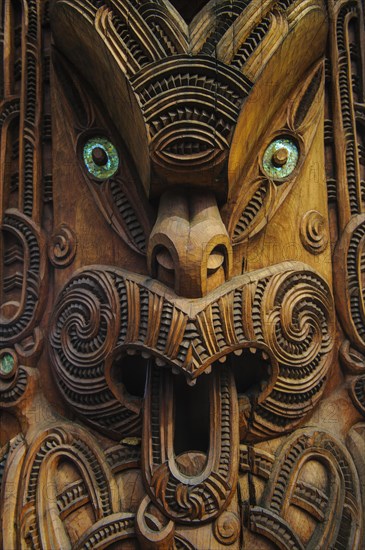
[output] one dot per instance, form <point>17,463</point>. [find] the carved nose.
<point>189,248</point>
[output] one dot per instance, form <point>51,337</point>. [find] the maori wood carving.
<point>182,319</point>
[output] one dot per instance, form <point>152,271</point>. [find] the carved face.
<point>163,383</point>
<point>162,127</point>
<point>190,147</point>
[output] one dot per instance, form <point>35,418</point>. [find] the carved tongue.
<point>197,485</point>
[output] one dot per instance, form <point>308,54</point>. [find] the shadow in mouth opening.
<point>192,415</point>
<point>251,371</point>
<point>131,371</point>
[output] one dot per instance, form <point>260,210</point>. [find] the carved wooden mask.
<point>182,210</point>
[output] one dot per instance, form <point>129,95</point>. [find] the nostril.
<point>216,268</point>
<point>215,260</point>
<point>164,259</point>
<point>164,266</point>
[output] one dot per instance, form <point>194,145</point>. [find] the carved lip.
<point>286,311</point>
<point>253,367</point>
<point>183,338</point>
<point>239,356</point>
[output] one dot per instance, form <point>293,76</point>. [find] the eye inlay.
<point>280,158</point>
<point>101,158</point>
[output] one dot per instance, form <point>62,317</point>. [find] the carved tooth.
<point>175,370</point>
<point>146,355</point>
<point>191,382</point>
<point>265,355</point>
<point>160,362</point>
<point>253,350</point>
<point>131,351</point>
<point>238,352</point>
<point>208,370</point>
<point>223,359</point>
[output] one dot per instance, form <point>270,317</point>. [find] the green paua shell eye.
<point>280,158</point>
<point>6,364</point>
<point>101,158</point>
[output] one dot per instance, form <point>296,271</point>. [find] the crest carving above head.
<point>182,326</point>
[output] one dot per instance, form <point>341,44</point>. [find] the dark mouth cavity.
<point>251,368</point>
<point>192,407</point>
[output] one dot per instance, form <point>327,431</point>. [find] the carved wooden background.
<point>182,341</point>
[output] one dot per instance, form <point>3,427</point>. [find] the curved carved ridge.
<point>255,209</point>
<point>348,94</point>
<point>274,528</point>
<point>23,91</point>
<point>124,208</point>
<point>180,543</point>
<point>128,216</point>
<point>32,255</point>
<point>165,33</point>
<point>338,498</point>
<point>4,453</point>
<point>206,101</point>
<point>103,313</point>
<point>14,389</point>
<point>357,393</point>
<point>349,285</point>
<point>251,211</point>
<point>92,315</point>
<point>73,497</point>
<point>305,496</point>
<point>119,210</point>
<point>114,528</point>
<point>342,479</point>
<point>34,467</point>
<point>39,469</point>
<point>109,324</point>
<point>75,494</point>
<point>11,477</point>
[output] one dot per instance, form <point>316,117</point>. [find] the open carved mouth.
<point>271,330</point>
<point>253,370</point>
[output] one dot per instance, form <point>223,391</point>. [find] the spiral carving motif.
<point>83,333</point>
<point>297,323</point>
<point>227,528</point>
<point>313,232</point>
<point>297,318</point>
<point>86,321</point>
<point>62,247</point>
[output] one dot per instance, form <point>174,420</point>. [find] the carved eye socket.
<point>280,158</point>
<point>101,158</point>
